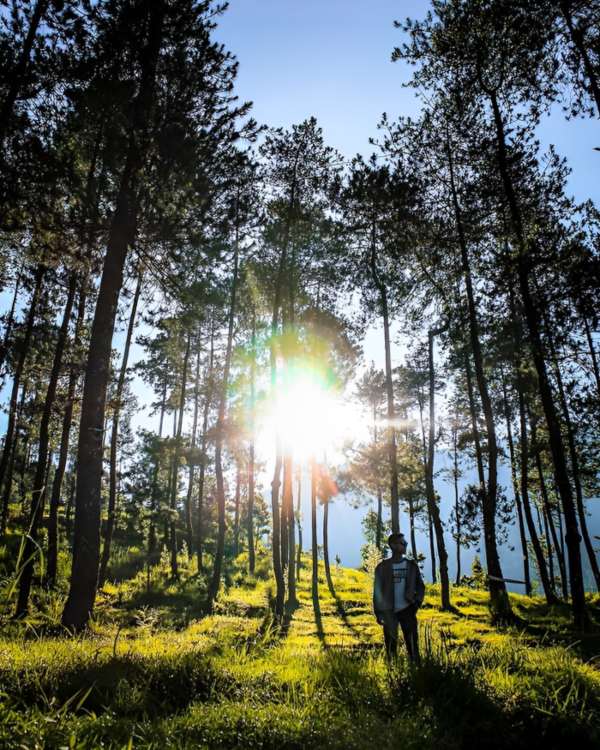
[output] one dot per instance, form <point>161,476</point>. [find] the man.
<point>398,592</point>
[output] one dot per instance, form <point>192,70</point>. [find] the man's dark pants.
<point>407,619</point>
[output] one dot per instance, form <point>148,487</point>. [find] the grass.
<point>154,673</point>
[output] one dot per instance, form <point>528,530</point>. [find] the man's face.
<point>398,546</point>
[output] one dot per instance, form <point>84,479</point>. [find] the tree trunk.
<point>215,583</point>
<point>190,490</point>
<point>411,524</point>
<point>456,504</point>
<point>251,469</point>
<point>299,522</point>
<point>555,540</point>
<point>114,437</point>
<point>203,446</point>
<point>313,521</point>
<point>12,409</point>
<point>535,542</point>
<point>176,457</point>
<point>326,547</point>
<point>236,513</point>
<point>473,413</point>
<point>155,474</point>
<point>276,481</point>
<point>38,493</point>
<point>86,548</point>
<point>517,494</point>
<point>432,504</point>
<point>571,441</point>
<point>532,318</point>
<point>10,321</point>
<point>499,601</point>
<point>288,501</point>
<point>432,555</point>
<point>63,455</point>
<point>590,341</point>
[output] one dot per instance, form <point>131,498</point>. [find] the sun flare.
<point>310,417</point>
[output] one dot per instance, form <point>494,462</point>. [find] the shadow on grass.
<point>318,617</point>
<point>468,717</point>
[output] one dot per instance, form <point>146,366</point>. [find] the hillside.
<point>154,673</point>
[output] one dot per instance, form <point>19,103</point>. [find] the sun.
<point>310,416</point>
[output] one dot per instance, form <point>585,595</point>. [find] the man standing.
<point>398,592</point>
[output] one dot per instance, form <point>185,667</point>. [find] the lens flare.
<point>309,415</point>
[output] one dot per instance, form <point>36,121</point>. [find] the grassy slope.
<point>153,676</point>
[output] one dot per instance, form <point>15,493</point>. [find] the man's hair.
<point>396,536</point>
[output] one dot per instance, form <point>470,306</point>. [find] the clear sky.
<point>331,59</point>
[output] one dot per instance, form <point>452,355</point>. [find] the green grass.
<point>154,673</point>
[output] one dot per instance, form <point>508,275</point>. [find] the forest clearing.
<point>153,674</point>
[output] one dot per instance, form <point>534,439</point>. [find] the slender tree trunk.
<point>432,504</point>
<point>276,481</point>
<point>411,524</point>
<point>532,318</point>
<point>549,548</point>
<point>313,519</point>
<point>517,494</point>
<point>288,501</point>
<point>74,372</point>
<point>379,527</point>
<point>176,457</point>
<point>208,398</point>
<point>38,494</point>
<point>190,490</point>
<point>114,437</point>
<point>155,474</point>
<point>499,601</point>
<point>12,409</point>
<point>69,510</point>
<point>571,441</point>
<point>15,450</point>
<point>593,355</point>
<point>251,469</point>
<point>283,517</point>
<point>215,583</point>
<point>299,522</point>
<point>473,413</point>
<point>17,76</point>
<point>456,503</point>
<point>236,513</point>
<point>326,547</point>
<point>535,542</point>
<point>86,548</point>
<point>547,509</point>
<point>10,321</point>
<point>432,555</point>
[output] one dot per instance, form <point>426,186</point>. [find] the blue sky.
<point>331,59</point>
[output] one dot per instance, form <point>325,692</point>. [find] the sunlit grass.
<point>159,675</point>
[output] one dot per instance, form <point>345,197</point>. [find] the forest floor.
<point>153,673</point>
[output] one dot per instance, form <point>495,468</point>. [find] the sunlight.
<point>310,417</point>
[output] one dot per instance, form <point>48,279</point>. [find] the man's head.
<point>397,544</point>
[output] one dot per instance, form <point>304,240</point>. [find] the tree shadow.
<point>318,618</point>
<point>341,610</point>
